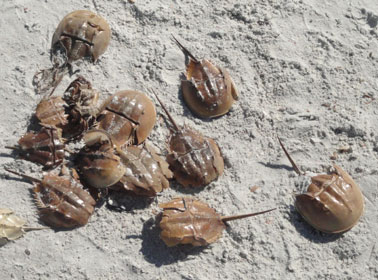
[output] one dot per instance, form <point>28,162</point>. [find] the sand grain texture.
<point>306,70</point>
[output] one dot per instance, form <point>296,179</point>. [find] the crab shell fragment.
<point>11,226</point>
<point>333,202</point>
<point>62,202</point>
<point>189,221</point>
<point>129,117</point>
<point>82,107</point>
<point>82,33</point>
<point>208,90</point>
<point>52,112</point>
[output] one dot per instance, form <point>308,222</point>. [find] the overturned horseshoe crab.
<point>190,221</point>
<point>208,90</point>
<point>333,202</point>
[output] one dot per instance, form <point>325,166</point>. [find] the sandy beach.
<point>306,71</point>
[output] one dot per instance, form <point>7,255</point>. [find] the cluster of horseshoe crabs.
<point>117,156</point>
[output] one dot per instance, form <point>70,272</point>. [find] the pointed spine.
<point>295,167</point>
<point>184,50</point>
<point>166,111</point>
<point>237,217</point>
<point>24,176</point>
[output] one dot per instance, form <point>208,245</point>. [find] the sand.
<point>306,71</point>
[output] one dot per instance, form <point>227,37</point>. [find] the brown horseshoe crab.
<point>61,200</point>
<point>128,116</point>
<point>208,90</point>
<point>82,33</point>
<point>137,169</point>
<point>190,221</point>
<point>45,147</point>
<point>333,202</point>
<point>194,159</point>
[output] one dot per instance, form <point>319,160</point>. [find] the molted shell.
<point>11,226</point>
<point>129,117</point>
<point>189,221</point>
<point>82,107</point>
<point>62,202</point>
<point>80,96</point>
<point>45,147</point>
<point>146,173</point>
<point>208,90</point>
<point>195,160</point>
<point>333,203</point>
<point>52,112</point>
<point>82,33</point>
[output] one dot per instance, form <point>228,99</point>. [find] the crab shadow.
<point>307,231</point>
<point>33,124</point>
<point>123,201</point>
<point>156,252</point>
<point>276,166</point>
<point>186,190</point>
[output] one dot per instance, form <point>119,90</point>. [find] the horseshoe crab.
<point>128,116</point>
<point>61,200</point>
<point>82,33</point>
<point>45,147</point>
<point>333,202</point>
<point>190,221</point>
<point>208,90</point>
<point>194,159</point>
<point>136,169</point>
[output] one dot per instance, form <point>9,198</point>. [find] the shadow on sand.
<point>156,252</point>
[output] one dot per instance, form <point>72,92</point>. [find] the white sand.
<point>304,70</point>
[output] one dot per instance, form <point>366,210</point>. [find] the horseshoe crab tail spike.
<point>24,176</point>
<point>166,111</point>
<point>34,228</point>
<point>184,50</point>
<point>237,217</point>
<point>295,167</point>
<point>11,147</point>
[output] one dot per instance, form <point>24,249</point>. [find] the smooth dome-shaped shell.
<point>333,203</point>
<point>208,90</point>
<point>83,33</point>
<point>128,117</point>
<point>99,166</point>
